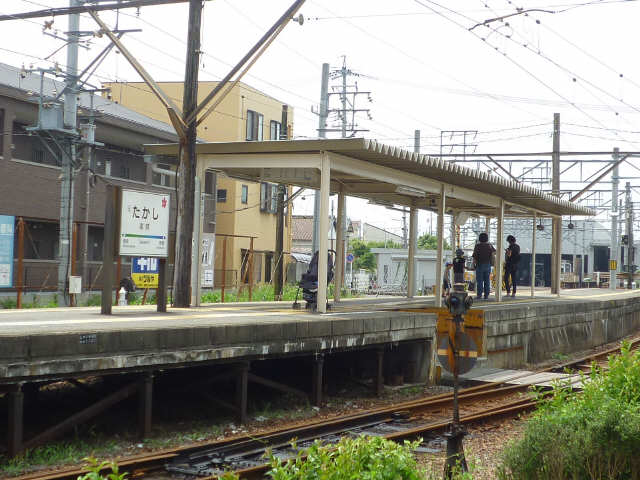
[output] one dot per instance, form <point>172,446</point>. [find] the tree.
<point>363,258</point>
<point>430,242</point>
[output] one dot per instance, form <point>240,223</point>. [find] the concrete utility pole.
<point>322,133</point>
<point>404,228</point>
<point>556,257</point>
<point>70,123</point>
<point>278,279</point>
<point>613,251</point>
<point>343,97</point>
<point>630,249</point>
<point>416,141</point>
<point>187,166</point>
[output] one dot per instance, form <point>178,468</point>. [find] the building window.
<point>221,195</point>
<point>255,125</point>
<point>264,197</point>
<point>275,129</point>
<point>37,155</point>
<point>125,171</point>
<point>162,179</point>
<point>244,198</point>
<point>268,197</point>
<point>1,131</point>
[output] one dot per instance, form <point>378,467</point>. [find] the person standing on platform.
<point>446,279</point>
<point>511,260</point>
<point>483,255</point>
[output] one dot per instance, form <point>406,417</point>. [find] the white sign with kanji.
<point>144,224</point>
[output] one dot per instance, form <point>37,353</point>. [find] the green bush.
<point>95,471</point>
<point>8,303</point>
<point>94,301</point>
<point>261,293</point>
<point>592,435</point>
<point>370,458</point>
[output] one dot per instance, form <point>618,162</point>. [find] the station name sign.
<point>144,224</point>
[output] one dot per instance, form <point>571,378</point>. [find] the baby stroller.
<point>309,282</point>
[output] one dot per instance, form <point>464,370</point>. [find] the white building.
<point>391,271</point>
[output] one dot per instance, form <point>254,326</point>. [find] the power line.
<point>403,52</point>
<point>509,58</point>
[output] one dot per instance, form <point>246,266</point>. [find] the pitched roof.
<point>302,227</point>
<point>30,82</point>
<point>386,175</point>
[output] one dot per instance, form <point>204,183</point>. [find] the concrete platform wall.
<point>520,335</point>
<point>61,355</point>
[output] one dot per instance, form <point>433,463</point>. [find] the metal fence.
<point>42,275</point>
<point>225,278</point>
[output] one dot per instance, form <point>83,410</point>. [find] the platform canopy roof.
<point>381,173</point>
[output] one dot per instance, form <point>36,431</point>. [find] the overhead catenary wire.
<point>507,57</point>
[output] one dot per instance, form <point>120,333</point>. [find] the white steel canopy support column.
<point>533,255</point>
<point>411,265</point>
<point>500,252</point>
<point>339,247</point>
<point>437,291</point>
<point>323,227</point>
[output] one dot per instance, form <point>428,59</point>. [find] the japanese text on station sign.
<point>144,272</point>
<point>144,224</point>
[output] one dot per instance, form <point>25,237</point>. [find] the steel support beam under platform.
<point>145,405</point>
<point>242,382</point>
<point>318,365</point>
<point>15,399</point>
<point>380,372</point>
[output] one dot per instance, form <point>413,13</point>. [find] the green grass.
<point>61,453</point>
<point>74,451</point>
<point>35,302</point>
<point>261,293</point>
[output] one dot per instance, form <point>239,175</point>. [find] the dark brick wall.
<point>32,190</point>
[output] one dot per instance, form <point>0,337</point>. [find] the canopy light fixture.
<point>381,203</point>
<point>413,192</point>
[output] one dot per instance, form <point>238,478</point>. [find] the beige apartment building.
<point>243,209</point>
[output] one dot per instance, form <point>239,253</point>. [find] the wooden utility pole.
<point>187,167</point>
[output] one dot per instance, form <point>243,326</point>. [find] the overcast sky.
<point>424,67</point>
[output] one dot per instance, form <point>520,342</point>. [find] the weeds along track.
<point>406,420</point>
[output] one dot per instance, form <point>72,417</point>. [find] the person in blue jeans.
<point>483,252</point>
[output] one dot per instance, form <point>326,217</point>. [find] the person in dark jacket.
<point>511,260</point>
<point>482,255</point>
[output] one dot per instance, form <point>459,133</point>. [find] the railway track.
<point>407,420</point>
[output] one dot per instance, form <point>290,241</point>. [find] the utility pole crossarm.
<point>504,169</point>
<point>174,111</point>
<point>600,177</point>
<point>53,12</point>
<point>256,50</point>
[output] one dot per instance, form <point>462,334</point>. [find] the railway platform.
<point>44,346</point>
